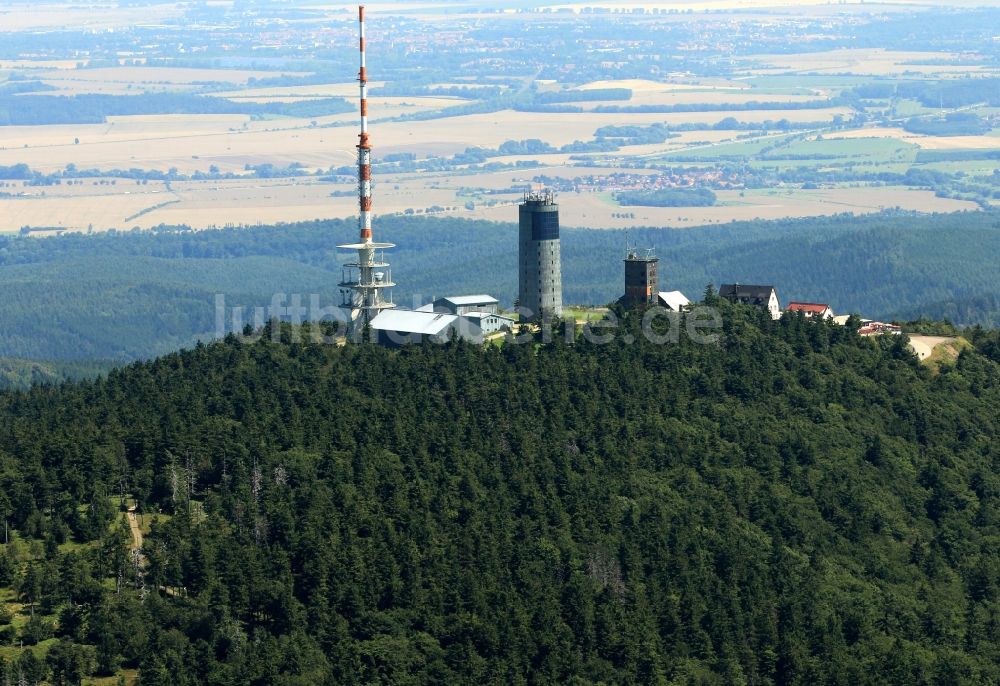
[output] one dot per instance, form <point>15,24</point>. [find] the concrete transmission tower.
<point>365,284</point>
<point>540,269</point>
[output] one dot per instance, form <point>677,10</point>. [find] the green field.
<point>792,152</point>
<point>742,149</point>
<point>910,108</point>
<point>888,149</point>
<point>584,314</point>
<point>794,83</point>
<point>971,167</point>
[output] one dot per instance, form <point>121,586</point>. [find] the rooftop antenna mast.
<point>365,285</point>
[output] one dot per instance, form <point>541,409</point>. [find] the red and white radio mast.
<point>365,284</point>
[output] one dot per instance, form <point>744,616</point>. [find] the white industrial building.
<point>405,327</point>
<point>475,325</point>
<point>463,304</point>
<point>470,317</point>
<point>675,301</point>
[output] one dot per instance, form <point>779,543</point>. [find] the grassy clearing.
<point>944,354</point>
<point>582,314</point>
<point>131,676</point>
<point>30,549</point>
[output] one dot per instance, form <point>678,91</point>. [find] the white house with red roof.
<point>819,310</point>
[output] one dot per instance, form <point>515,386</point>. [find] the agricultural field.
<point>756,123</point>
<point>188,143</point>
<point>96,16</point>
<point>987,142</point>
<point>866,62</point>
<point>255,201</point>
<point>229,143</point>
<point>305,92</point>
<point>137,76</point>
<point>193,142</point>
<point>711,92</point>
<point>593,210</point>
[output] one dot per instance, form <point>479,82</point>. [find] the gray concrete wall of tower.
<point>540,266</point>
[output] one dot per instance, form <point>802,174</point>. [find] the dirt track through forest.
<point>133,525</point>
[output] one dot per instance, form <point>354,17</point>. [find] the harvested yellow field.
<point>93,16</point>
<point>138,127</point>
<point>193,142</point>
<point>84,86</point>
<point>75,212</point>
<point>202,204</point>
<point>687,140</point>
<point>132,80</point>
<point>323,90</point>
<point>286,201</point>
<point>555,160</point>
<point>39,64</point>
<point>702,5</point>
<point>704,91</point>
<point>459,84</point>
<point>386,107</point>
<point>205,204</point>
<point>647,86</point>
<point>595,211</point>
<point>187,142</point>
<point>556,128</point>
<point>714,97</point>
<point>172,75</point>
<point>864,61</point>
<point>989,142</point>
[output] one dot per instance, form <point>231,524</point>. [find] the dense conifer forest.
<point>791,505</point>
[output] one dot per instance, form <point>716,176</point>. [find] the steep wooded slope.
<point>794,505</point>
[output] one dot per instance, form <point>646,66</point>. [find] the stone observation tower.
<point>641,278</point>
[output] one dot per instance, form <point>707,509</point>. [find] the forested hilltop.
<point>792,505</point>
<point>141,294</point>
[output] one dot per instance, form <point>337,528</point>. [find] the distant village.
<point>670,179</point>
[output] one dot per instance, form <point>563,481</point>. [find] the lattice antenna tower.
<point>366,284</point>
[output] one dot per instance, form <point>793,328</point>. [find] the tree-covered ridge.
<point>795,505</point>
<point>141,294</point>
<point>20,374</point>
